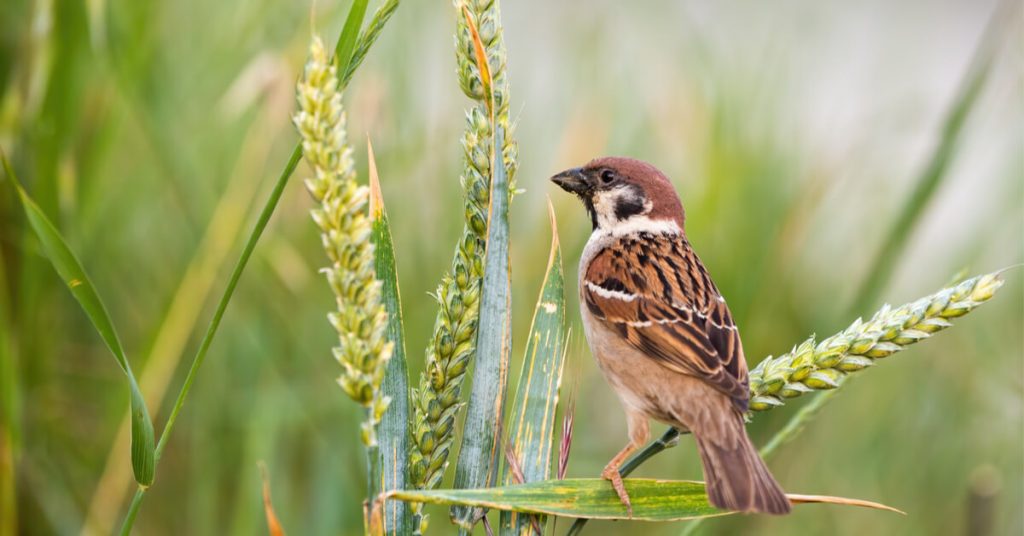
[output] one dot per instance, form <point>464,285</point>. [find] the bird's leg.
<point>611,472</point>
<point>639,433</point>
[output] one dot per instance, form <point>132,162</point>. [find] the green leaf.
<point>393,431</point>
<point>366,39</point>
<point>478,456</point>
<point>594,498</point>
<point>532,422</point>
<point>73,275</point>
<point>349,33</point>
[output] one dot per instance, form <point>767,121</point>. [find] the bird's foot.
<point>612,474</point>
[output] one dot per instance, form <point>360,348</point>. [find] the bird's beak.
<point>573,181</point>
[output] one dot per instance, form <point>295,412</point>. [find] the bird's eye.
<point>607,176</point>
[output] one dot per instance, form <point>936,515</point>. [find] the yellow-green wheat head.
<point>360,319</point>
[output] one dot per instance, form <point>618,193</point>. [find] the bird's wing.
<point>657,295</point>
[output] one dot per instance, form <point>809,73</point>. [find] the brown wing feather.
<point>655,292</point>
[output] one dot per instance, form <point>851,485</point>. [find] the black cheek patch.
<point>627,207</point>
<point>629,204</point>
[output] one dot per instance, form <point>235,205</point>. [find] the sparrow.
<point>662,333</point>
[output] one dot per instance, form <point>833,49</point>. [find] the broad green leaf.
<point>478,457</point>
<point>349,33</point>
<point>393,432</point>
<point>73,275</point>
<point>594,498</point>
<point>532,421</point>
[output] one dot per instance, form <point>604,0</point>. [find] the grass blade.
<point>478,456</point>
<point>349,33</point>
<point>393,432</point>
<point>532,419</point>
<point>593,498</point>
<point>366,39</point>
<point>931,177</point>
<point>74,276</point>
<point>10,414</point>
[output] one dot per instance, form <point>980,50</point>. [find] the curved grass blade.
<point>74,276</point>
<point>532,421</point>
<point>393,433</point>
<point>593,498</point>
<point>478,457</point>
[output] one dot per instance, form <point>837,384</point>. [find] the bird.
<point>661,332</point>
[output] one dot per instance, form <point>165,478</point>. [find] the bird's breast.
<point>634,377</point>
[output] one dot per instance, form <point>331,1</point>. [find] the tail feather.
<point>737,479</point>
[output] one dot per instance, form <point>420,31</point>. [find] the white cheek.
<point>605,203</point>
<point>604,207</point>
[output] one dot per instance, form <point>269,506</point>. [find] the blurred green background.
<point>794,131</point>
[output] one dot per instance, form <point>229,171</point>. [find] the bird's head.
<point>624,195</point>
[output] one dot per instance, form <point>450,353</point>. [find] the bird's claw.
<point>612,474</point>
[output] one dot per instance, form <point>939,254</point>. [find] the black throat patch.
<point>589,204</point>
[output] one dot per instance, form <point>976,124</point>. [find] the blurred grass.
<point>789,129</point>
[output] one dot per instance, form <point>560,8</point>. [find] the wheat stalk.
<point>810,367</point>
<point>480,57</point>
<point>360,319</point>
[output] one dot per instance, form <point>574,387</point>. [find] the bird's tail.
<point>737,479</point>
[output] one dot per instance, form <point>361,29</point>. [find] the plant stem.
<point>133,510</point>
<point>795,423</point>
<point>373,474</point>
<point>792,427</point>
<point>236,274</point>
<point>211,330</point>
<point>666,441</point>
